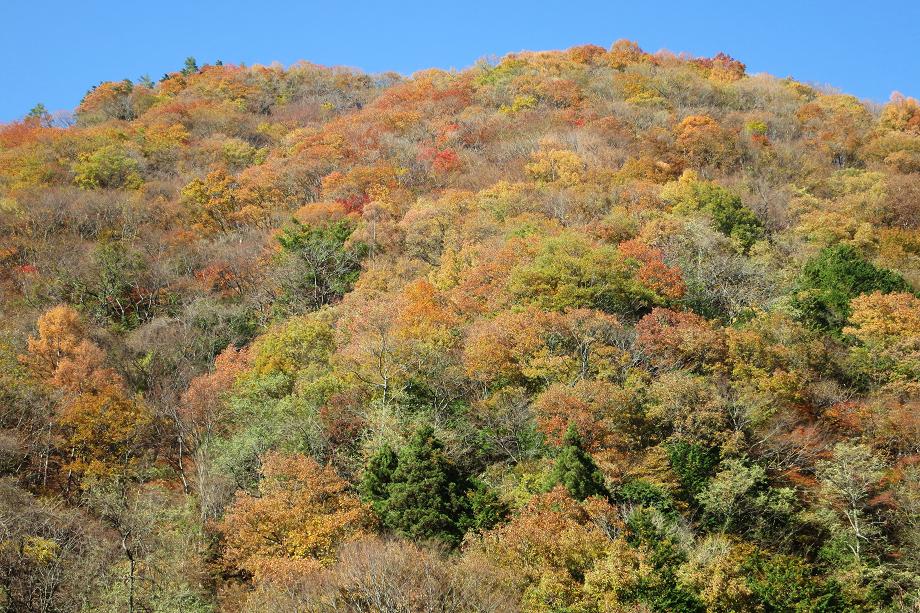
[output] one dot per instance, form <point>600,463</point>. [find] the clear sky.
<point>53,51</point>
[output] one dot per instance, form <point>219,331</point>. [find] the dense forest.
<point>590,330</point>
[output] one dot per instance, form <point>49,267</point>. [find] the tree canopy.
<point>585,330</point>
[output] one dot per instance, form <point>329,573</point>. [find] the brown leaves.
<point>503,349</point>
<point>901,114</point>
<point>704,142</point>
<point>535,347</point>
<point>594,407</point>
<point>552,542</point>
<point>673,339</point>
<point>654,273</point>
<point>390,575</point>
<point>887,326</point>
<point>201,404</point>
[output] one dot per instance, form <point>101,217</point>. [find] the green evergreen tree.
<point>730,215</point>
<point>833,278</point>
<point>576,470</point>
<point>375,482</point>
<point>641,493</point>
<point>40,113</point>
<point>661,590</point>
<point>427,494</point>
<point>191,66</point>
<point>693,464</point>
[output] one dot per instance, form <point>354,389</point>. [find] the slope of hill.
<point>589,330</point>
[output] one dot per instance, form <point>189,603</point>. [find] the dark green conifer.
<point>375,482</point>
<point>190,67</point>
<point>427,493</point>
<point>576,470</point>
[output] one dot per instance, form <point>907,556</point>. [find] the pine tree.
<point>40,114</point>
<point>427,494</point>
<point>375,483</point>
<point>191,66</point>
<point>576,470</point>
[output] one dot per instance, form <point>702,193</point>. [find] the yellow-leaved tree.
<point>302,514</point>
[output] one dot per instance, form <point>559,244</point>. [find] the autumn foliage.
<point>586,330</point>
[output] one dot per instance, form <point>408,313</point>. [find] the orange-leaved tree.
<point>63,356</point>
<point>303,512</point>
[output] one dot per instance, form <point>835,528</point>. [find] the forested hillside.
<point>587,331</point>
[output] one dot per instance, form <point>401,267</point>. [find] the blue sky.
<point>53,51</point>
